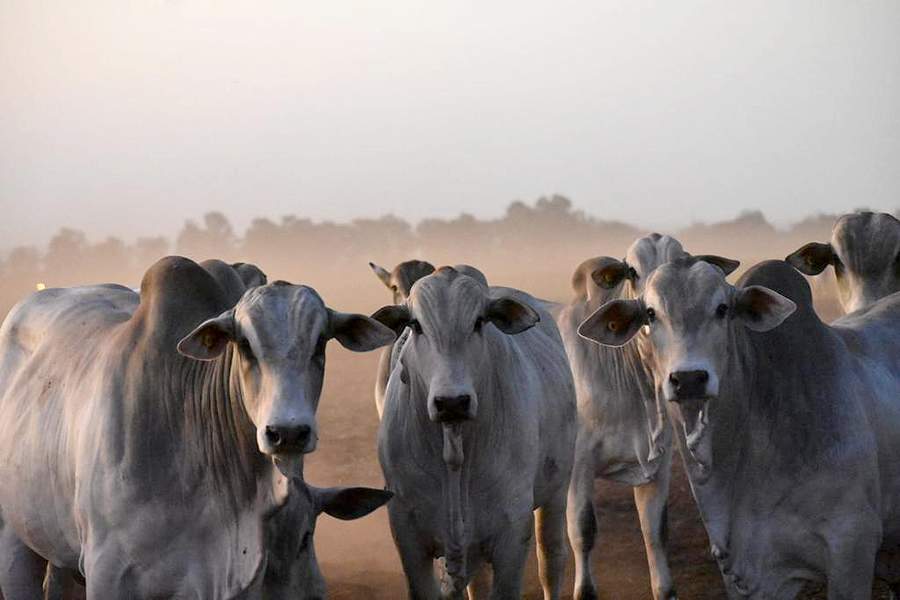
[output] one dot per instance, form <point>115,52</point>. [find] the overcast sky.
<point>126,118</point>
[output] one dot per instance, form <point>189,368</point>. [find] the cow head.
<point>278,334</point>
<point>402,278</point>
<point>865,253</point>
<point>292,570</point>
<point>449,315</point>
<point>688,312</point>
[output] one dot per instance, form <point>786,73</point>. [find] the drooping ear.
<point>359,332</point>
<point>350,503</point>
<point>726,264</point>
<point>208,340</point>
<point>760,308</point>
<point>812,258</point>
<point>511,316</point>
<point>614,323</point>
<point>611,274</point>
<point>394,316</point>
<point>383,274</point>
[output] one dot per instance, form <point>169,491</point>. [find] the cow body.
<point>465,489</point>
<point>148,471</point>
<point>786,425</point>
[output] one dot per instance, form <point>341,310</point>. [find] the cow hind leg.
<point>582,522</point>
<point>21,570</point>
<point>651,501</point>
<point>551,545</point>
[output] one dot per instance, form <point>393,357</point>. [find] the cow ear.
<point>209,339</point>
<point>383,274</point>
<point>726,264</point>
<point>760,308</point>
<point>614,323</point>
<point>359,332</point>
<point>812,258</point>
<point>350,503</point>
<point>511,316</point>
<point>610,275</point>
<point>395,317</point>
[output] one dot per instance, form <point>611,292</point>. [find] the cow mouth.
<point>289,465</point>
<point>694,421</point>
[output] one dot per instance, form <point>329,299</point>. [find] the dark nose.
<point>288,438</point>
<point>689,384</point>
<point>452,408</point>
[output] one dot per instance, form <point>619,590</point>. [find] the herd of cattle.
<point>152,441</point>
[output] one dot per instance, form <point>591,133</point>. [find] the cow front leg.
<point>417,562</point>
<point>551,545</point>
<point>851,560</point>
<point>651,502</point>
<point>479,587</point>
<point>509,556</point>
<point>21,570</point>
<point>582,518</point>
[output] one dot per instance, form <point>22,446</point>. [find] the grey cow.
<point>865,253</point>
<point>787,426</point>
<point>478,431</point>
<point>160,463</point>
<point>622,434</point>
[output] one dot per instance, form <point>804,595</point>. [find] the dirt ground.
<point>358,558</point>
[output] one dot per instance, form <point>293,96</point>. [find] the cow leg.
<point>59,583</point>
<point>418,564</point>
<point>651,500</point>
<point>509,556</point>
<point>480,586</point>
<point>21,570</point>
<point>851,562</point>
<point>582,519</point>
<point>551,545</point>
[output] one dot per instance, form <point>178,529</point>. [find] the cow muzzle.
<point>288,438</point>
<point>452,408</point>
<point>692,391</point>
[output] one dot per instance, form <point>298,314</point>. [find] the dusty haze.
<point>130,117</point>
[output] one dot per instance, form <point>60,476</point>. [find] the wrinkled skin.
<point>786,425</point>
<point>865,253</point>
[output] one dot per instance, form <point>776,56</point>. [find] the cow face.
<point>865,253</point>
<point>292,570</point>
<point>278,334</point>
<point>402,278</point>
<point>449,315</point>
<point>688,311</point>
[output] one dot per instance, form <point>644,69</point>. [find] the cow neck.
<point>771,384</point>
<point>217,430</point>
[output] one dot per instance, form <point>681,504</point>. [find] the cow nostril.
<point>673,379</point>
<point>303,432</point>
<point>273,436</point>
<point>703,376</point>
<point>464,402</point>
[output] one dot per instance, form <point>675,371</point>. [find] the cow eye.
<point>246,350</point>
<point>414,325</point>
<point>478,323</point>
<point>721,311</point>
<point>651,315</point>
<point>393,288</point>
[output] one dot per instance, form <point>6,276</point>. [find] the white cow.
<point>478,431</point>
<point>787,426</point>
<point>150,469</point>
<point>865,253</point>
<point>622,434</point>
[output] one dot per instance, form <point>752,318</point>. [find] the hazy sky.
<point>127,118</point>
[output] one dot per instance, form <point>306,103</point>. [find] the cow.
<point>292,571</point>
<point>786,426</point>
<point>621,435</point>
<point>865,253</point>
<point>144,439</point>
<point>399,281</point>
<point>478,431</point>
